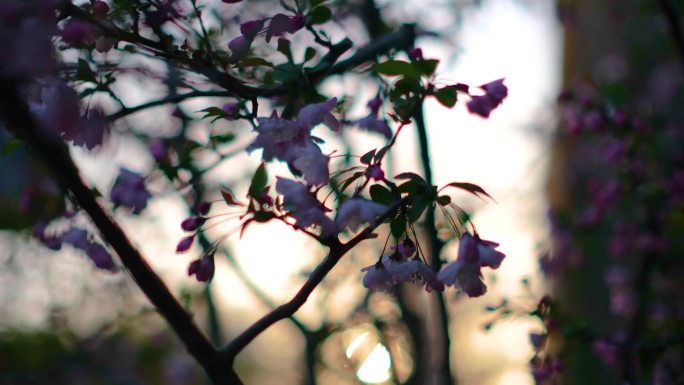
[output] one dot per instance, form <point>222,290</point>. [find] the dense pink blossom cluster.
<point>464,273</point>
<point>291,141</point>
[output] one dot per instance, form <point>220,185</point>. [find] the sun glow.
<point>376,367</point>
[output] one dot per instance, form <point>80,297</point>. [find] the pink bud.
<point>202,269</point>
<point>415,53</point>
<point>192,223</point>
<point>203,207</point>
<point>185,244</point>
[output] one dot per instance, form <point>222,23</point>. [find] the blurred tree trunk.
<point>592,32</point>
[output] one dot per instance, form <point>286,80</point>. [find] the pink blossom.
<point>483,105</point>
<point>406,248</point>
<point>239,47</point>
<point>291,141</point>
<point>250,29</point>
<point>78,33</point>
<point>374,124</point>
<point>90,131</point>
<point>279,25</point>
<point>377,278</point>
<point>315,114</point>
<point>55,105</point>
<point>306,159</point>
<point>418,272</point>
<point>496,89</point>
<point>129,191</point>
<point>82,240</point>
<point>465,273</point>
<point>304,207</point>
<point>489,256</point>
<point>100,257</point>
<point>355,211</point>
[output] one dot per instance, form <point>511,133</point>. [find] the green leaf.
<point>309,54</point>
<point>416,210</point>
<point>225,138</point>
<point>447,96</point>
<point>87,92</point>
<point>320,15</point>
<point>380,194</point>
<point>398,226</point>
<point>84,73</point>
<point>284,47</point>
<point>405,107</point>
<point>259,181</point>
<point>263,216</point>
<point>471,188</point>
<point>215,112</point>
<point>351,180</point>
<point>255,61</point>
<point>287,73</point>
<point>405,86</point>
<point>410,175</point>
<point>396,68</point>
<point>381,153</point>
<point>315,3</point>
<point>426,67</point>
<point>367,157</point>
<point>410,187</point>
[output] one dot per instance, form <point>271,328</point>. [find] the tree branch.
<point>337,251</point>
<point>57,158</point>
<point>166,100</point>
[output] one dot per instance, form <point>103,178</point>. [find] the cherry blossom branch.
<point>167,100</point>
<point>57,158</point>
<point>337,251</point>
<point>327,66</point>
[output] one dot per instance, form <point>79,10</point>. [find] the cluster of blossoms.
<point>494,94</point>
<point>56,107</point>
<point>78,238</point>
<point>464,273</point>
<point>129,191</point>
<point>372,122</point>
<point>291,141</point>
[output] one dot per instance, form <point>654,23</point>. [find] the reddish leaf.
<point>471,188</point>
